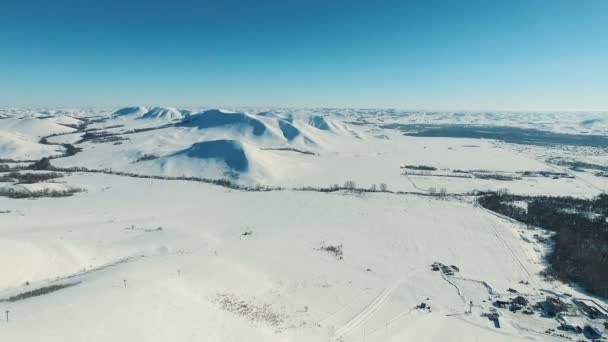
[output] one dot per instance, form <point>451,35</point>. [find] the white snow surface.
<point>151,259</point>
<point>16,146</point>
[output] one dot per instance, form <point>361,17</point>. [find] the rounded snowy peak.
<point>280,116</point>
<point>319,122</point>
<point>130,111</point>
<point>593,122</point>
<point>216,118</point>
<point>163,113</point>
<point>230,152</point>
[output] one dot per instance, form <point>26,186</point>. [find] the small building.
<point>592,333</point>
<point>570,328</point>
<point>567,325</point>
<point>494,318</point>
<point>591,309</point>
<point>501,304</point>
<point>514,307</point>
<point>520,300</point>
<point>552,306</point>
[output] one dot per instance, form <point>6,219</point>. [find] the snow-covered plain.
<point>152,259</point>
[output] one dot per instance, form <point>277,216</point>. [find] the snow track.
<point>458,290</point>
<point>484,283</point>
<point>333,316</point>
<point>364,315</point>
<point>509,248</point>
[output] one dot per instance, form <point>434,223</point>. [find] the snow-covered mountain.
<point>15,146</point>
<point>243,123</point>
<point>256,224</point>
<point>160,113</point>
<point>130,111</point>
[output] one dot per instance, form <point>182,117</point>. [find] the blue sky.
<point>472,55</point>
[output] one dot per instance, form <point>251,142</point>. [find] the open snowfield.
<point>175,274</point>
<point>151,250</point>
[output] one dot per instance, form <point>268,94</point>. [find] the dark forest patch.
<point>580,241</point>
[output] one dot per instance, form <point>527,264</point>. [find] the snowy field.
<point>339,246</point>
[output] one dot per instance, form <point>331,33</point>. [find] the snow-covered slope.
<point>18,147</point>
<point>19,137</point>
<point>241,266</point>
<point>244,123</point>
<point>319,122</point>
<point>160,113</point>
<point>229,152</point>
<point>36,128</point>
<point>298,149</point>
<point>150,252</point>
<point>130,112</point>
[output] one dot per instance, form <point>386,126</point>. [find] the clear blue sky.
<point>486,54</point>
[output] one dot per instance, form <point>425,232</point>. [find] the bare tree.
<point>350,185</point>
<point>383,187</point>
<point>502,192</point>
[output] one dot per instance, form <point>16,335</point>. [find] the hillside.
<point>157,224</point>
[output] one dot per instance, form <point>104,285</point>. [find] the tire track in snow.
<point>509,248</point>
<point>482,282</point>
<point>426,191</point>
<point>449,281</point>
<point>388,323</point>
<point>367,312</point>
<point>351,303</point>
<point>571,173</point>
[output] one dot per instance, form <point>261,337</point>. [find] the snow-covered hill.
<point>35,128</point>
<point>130,112</point>
<point>265,225</point>
<point>15,146</point>
<point>159,113</point>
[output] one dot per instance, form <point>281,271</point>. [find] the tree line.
<point>580,242</point>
